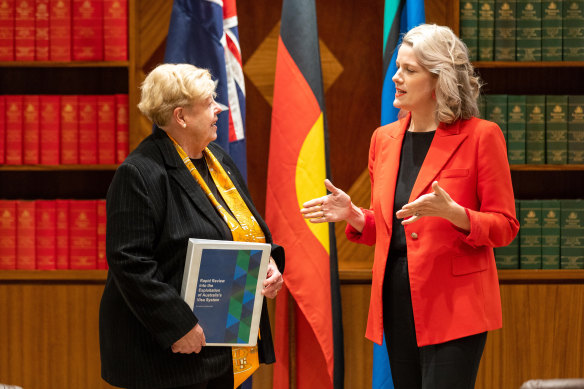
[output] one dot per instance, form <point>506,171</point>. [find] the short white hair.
<point>169,86</point>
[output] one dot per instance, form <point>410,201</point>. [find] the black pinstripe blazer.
<point>153,207</point>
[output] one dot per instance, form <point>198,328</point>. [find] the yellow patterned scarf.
<point>244,228</point>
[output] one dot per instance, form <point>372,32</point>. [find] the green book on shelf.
<point>550,234</point>
<point>508,257</point>
<point>528,30</point>
<point>496,111</point>
<point>469,27</point>
<point>535,129</point>
<point>573,30</point>
<point>551,30</point>
<point>505,37</point>
<point>556,129</point>
<point>530,234</point>
<point>486,30</point>
<point>576,129</point>
<point>516,129</point>
<point>572,234</point>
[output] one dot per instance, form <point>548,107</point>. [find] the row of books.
<point>63,30</point>
<point>72,129</point>
<point>523,30</point>
<point>551,236</point>
<point>52,234</point>
<point>539,129</point>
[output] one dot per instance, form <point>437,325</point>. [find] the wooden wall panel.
<point>50,335</point>
<point>542,336</point>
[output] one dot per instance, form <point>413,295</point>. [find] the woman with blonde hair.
<point>175,185</point>
<point>441,199</point>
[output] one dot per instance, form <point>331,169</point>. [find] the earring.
<point>184,125</point>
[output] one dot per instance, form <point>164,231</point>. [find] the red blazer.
<point>453,277</point>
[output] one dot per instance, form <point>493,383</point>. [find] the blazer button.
<point>414,235</point>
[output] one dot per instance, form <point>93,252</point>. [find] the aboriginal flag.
<point>298,165</point>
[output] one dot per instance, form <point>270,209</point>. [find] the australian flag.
<point>204,33</point>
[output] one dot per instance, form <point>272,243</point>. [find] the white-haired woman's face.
<point>414,84</point>
<point>201,121</point>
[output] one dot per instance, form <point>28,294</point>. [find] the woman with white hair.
<point>175,185</point>
<point>441,199</point>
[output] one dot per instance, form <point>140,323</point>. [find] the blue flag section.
<point>399,17</point>
<point>204,33</point>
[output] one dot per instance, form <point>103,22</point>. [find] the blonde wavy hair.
<point>444,55</point>
<point>169,86</point>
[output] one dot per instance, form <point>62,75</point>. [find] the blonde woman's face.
<point>201,121</point>
<point>414,84</point>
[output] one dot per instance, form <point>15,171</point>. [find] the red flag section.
<point>296,171</point>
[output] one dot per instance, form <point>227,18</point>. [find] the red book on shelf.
<point>122,128</point>
<point>41,22</point>
<point>13,129</point>
<point>25,235</point>
<point>83,234</point>
<point>69,130</point>
<point>46,235</point>
<point>115,30</point>
<point>24,30</point>
<point>2,129</point>
<point>62,234</point>
<point>30,131</point>
<point>7,234</point>
<point>101,225</point>
<point>88,130</point>
<point>60,30</point>
<point>6,30</point>
<point>87,30</point>
<point>51,129</point>
<point>106,129</point>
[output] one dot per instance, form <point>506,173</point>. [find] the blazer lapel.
<point>444,144</point>
<point>179,172</point>
<point>389,159</point>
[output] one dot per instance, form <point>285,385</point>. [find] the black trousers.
<point>449,365</point>
<point>224,381</point>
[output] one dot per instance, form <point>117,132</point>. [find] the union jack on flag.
<point>204,33</point>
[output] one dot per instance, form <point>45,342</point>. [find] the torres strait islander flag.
<point>204,33</point>
<point>400,16</point>
<point>297,169</point>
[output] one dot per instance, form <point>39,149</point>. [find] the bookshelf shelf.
<point>97,276</point>
<point>346,275</point>
<point>520,276</point>
<point>63,64</point>
<point>524,276</point>
<point>42,168</point>
<point>550,168</point>
<point>538,64</point>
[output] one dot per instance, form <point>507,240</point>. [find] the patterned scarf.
<point>244,228</point>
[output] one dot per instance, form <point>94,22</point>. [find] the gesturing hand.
<point>192,342</point>
<point>330,208</point>
<point>438,203</point>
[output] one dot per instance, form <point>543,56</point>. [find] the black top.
<point>414,149</point>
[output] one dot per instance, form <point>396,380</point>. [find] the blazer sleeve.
<point>130,240</point>
<point>495,223</point>
<point>368,234</point>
